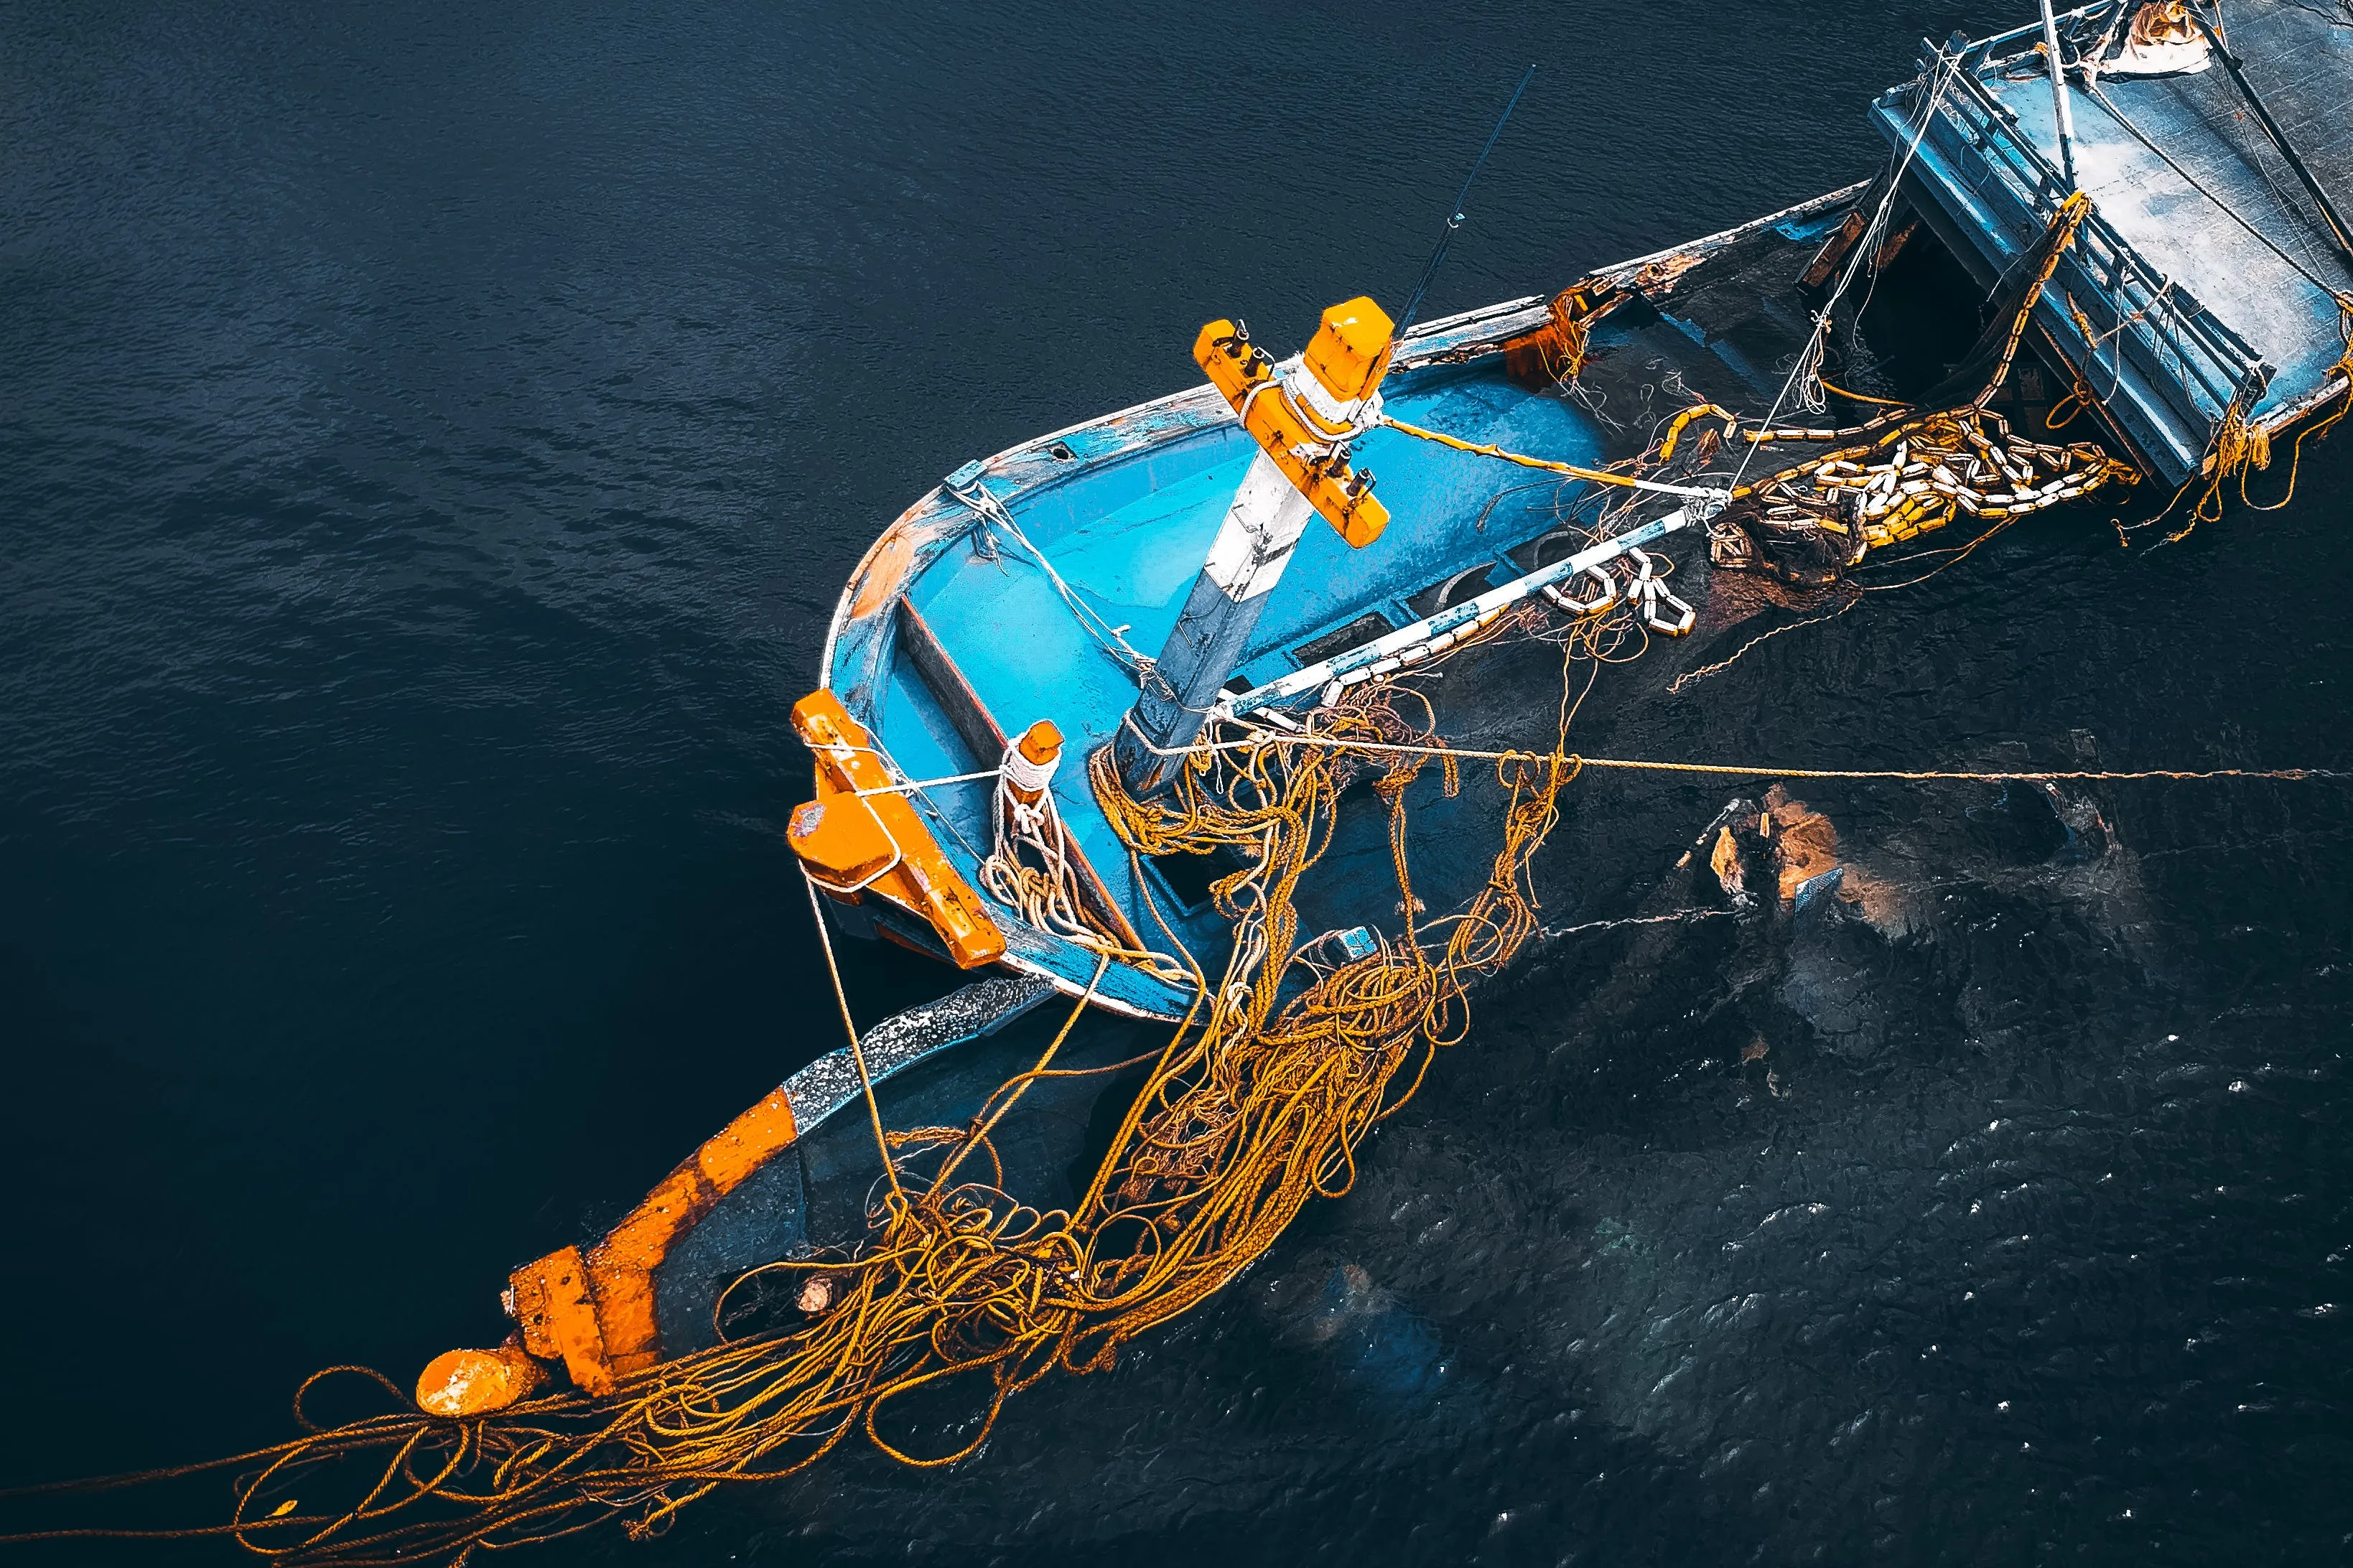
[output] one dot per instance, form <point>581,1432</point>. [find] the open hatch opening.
<point>1188,876</point>
<point>1331,644</point>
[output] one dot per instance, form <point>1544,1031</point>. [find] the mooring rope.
<point>1676,687</point>
<point>1678,917</point>
<point>1574,760</point>
<point>1598,476</point>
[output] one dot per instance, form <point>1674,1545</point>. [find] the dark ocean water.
<point>431,438</point>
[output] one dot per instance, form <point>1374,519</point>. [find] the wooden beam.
<point>1842,239</point>
<point>985,739</point>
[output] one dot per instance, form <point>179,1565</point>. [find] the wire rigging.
<point>1457,218</point>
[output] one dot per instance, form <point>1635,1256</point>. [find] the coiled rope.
<point>1030,868</point>
<point>958,1285</point>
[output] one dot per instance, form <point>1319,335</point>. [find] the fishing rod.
<point>1446,238</point>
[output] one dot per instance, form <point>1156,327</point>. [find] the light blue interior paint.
<point>1129,532</point>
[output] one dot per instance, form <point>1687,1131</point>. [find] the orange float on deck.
<point>855,844</point>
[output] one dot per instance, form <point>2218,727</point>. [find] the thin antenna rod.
<point>1413,305</point>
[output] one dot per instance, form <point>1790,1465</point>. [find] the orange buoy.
<point>475,1382</point>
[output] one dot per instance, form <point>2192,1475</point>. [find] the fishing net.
<point>1258,1104</point>
<point>960,1288</point>
<point>1908,470</point>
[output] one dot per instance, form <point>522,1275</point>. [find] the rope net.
<point>1902,473</point>
<point>1258,1104</point>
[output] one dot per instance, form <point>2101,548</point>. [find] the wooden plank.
<point>967,714</point>
<point>985,739</point>
<point>1902,224</point>
<point>1835,249</point>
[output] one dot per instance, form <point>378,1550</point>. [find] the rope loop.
<point>1522,771</point>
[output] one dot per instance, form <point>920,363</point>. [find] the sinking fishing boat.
<point>2104,249</point>
<point>1090,709</point>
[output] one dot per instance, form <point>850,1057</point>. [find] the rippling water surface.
<point>432,438</point>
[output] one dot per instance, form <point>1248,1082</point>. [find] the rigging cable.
<point>1865,244</point>
<point>1446,236</point>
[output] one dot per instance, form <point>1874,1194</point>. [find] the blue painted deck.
<point>2203,301</point>
<point>1129,530</point>
<point>2165,304</point>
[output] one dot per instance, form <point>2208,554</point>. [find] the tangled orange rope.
<point>1240,1122</point>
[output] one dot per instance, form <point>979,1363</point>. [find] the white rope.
<point>1030,872</point>
<point>980,499</point>
<point>906,786</point>
<point>1024,774</point>
<point>1865,244</point>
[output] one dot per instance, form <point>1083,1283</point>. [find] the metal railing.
<point>2176,337</point>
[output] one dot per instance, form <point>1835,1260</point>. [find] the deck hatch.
<point>1467,583</point>
<point>1362,629</point>
<point>1188,877</point>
